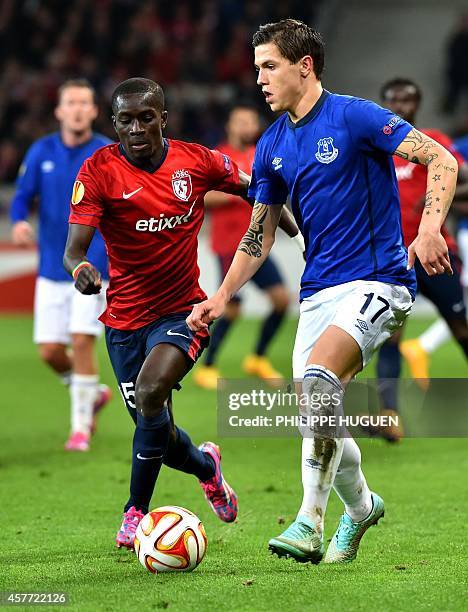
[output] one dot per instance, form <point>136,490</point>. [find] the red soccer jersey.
<point>412,184</point>
<point>150,223</point>
<point>230,221</point>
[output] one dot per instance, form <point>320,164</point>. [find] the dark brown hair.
<point>76,83</point>
<point>294,40</point>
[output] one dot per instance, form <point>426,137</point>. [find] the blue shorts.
<point>443,290</point>
<point>128,349</point>
<point>267,276</point>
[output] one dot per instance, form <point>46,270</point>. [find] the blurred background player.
<point>403,97</point>
<point>64,318</point>
<point>230,218</point>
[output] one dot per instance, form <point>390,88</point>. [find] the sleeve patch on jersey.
<point>78,192</point>
<point>227,163</point>
<point>388,127</point>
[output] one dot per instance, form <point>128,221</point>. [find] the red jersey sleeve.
<point>223,173</point>
<point>86,206</point>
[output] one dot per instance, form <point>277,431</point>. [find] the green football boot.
<point>344,545</point>
<point>300,541</point>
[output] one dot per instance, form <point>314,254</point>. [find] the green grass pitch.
<point>60,512</point>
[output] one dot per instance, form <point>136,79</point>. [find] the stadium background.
<point>201,52</point>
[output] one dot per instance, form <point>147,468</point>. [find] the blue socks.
<point>388,373</point>
<point>219,332</point>
<point>154,445</point>
<point>184,456</point>
<point>269,328</point>
<point>150,443</point>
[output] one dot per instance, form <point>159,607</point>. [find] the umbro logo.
<point>129,195</point>
<point>361,325</point>
<point>277,163</point>
<point>314,464</point>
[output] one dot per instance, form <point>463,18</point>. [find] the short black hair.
<point>399,83</point>
<point>294,39</point>
<point>139,85</point>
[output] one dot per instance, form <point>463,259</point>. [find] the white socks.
<point>83,393</point>
<point>321,453</point>
<point>435,336</point>
<point>328,460</point>
<point>320,459</point>
<point>350,484</point>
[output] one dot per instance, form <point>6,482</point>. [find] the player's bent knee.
<point>83,343</point>
<point>52,354</point>
<point>280,299</point>
<point>151,396</point>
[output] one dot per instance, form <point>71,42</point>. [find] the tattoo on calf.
<point>252,242</point>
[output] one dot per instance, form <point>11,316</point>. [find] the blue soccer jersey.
<point>336,165</point>
<point>48,173</point>
<point>461,145</point>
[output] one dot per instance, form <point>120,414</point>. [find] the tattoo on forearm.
<point>447,168</point>
<point>252,242</point>
<point>428,202</point>
<point>420,147</point>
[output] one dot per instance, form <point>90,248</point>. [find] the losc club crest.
<point>326,151</point>
<point>182,184</point>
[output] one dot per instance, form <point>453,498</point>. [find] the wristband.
<point>299,240</point>
<point>76,270</point>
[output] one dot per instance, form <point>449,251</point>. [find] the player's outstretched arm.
<point>442,168</point>
<point>86,276</point>
<point>252,251</point>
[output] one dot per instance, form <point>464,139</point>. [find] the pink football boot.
<point>126,534</point>
<point>218,493</point>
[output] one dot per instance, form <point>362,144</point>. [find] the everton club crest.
<point>326,151</point>
<point>182,185</point>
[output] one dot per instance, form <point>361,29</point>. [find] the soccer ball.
<point>170,539</point>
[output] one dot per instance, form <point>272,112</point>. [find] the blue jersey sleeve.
<point>266,186</point>
<point>27,185</point>
<point>374,127</point>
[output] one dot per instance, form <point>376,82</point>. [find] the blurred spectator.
<point>200,50</point>
<point>457,65</point>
